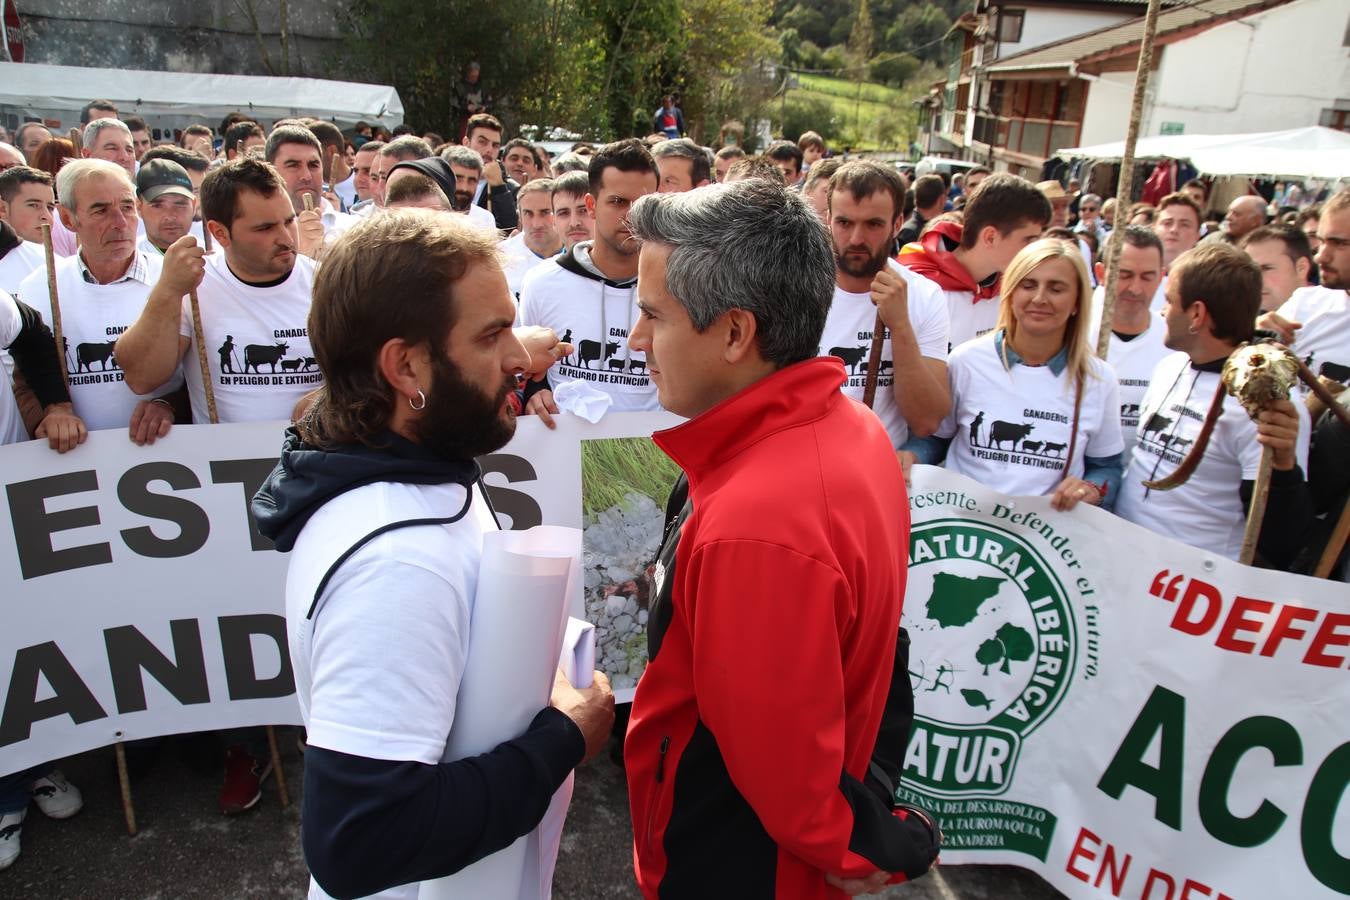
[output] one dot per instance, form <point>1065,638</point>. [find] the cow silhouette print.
<point>1013,437</point>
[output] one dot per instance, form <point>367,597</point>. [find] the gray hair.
<point>406,148</point>
<point>570,162</point>
<point>462,156</point>
<point>684,148</point>
<point>91,131</point>
<point>752,245</point>
<point>78,171</point>
<point>1090,198</point>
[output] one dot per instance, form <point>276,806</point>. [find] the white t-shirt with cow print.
<point>257,344</point>
<point>1205,512</point>
<point>1133,361</point>
<point>1323,343</point>
<point>93,316</point>
<point>848,335</point>
<point>1010,427</point>
<point>593,314</point>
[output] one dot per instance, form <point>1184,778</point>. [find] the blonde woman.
<point>1033,411</point>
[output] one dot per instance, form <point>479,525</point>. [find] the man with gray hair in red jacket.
<point>777,657</point>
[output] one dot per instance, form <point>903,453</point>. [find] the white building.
<point>1015,27</point>
<point>1223,66</point>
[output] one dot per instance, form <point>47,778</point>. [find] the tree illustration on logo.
<point>1008,643</point>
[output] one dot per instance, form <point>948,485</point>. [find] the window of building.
<point>1335,118</point>
<point>1010,25</point>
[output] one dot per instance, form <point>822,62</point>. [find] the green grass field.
<point>840,87</point>
<point>882,118</point>
<point>613,468</point>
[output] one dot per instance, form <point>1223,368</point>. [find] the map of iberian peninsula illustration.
<point>956,599</point>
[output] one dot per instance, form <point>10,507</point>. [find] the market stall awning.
<point>1313,152</point>
<point>43,87</point>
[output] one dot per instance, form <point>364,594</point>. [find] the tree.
<point>809,23</point>
<point>919,30</point>
<point>989,653</point>
<point>893,68</point>
<point>421,49</point>
<point>860,51</point>
<point>1017,644</point>
<point>1009,644</point>
<point>719,66</point>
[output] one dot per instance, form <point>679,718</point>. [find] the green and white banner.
<point>1124,714</point>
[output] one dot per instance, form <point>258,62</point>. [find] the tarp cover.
<point>211,96</point>
<point>1313,152</point>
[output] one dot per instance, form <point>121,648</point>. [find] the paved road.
<point>186,848</point>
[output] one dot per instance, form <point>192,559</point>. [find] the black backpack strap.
<point>384,529</point>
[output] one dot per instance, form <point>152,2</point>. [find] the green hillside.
<point>878,117</point>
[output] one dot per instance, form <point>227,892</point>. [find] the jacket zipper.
<point>661,762</point>
<point>660,777</point>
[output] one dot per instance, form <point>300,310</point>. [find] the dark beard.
<point>461,201</point>
<point>461,422</point>
<point>867,268</point>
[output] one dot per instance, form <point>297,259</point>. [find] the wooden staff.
<point>199,338</point>
<point>332,172</point>
<point>1125,187</point>
<point>1256,513</point>
<point>210,391</point>
<point>874,362</point>
<point>124,783</point>
<point>123,778</point>
<point>1335,544</point>
<point>282,794</point>
<point>57,334</point>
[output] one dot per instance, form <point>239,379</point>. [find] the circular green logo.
<point>992,651</point>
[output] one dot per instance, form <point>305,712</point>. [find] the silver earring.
<point>421,397</point>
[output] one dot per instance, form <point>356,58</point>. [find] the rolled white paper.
<point>525,579</point>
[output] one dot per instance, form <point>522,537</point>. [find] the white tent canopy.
<point>42,90</point>
<point>1299,153</point>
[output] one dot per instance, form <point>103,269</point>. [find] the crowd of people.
<point>989,291</point>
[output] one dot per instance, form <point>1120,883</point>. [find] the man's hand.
<point>184,266</point>
<point>591,708</point>
<point>541,405</point>
<point>544,348</point>
<point>1277,428</point>
<point>1280,325</point>
<point>855,886</point>
<point>149,420</point>
<point>202,146</point>
<point>310,228</point>
<point>890,293</point>
<point>62,428</point>
<point>493,173</point>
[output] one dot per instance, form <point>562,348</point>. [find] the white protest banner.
<point>139,599</point>
<point>1124,714</point>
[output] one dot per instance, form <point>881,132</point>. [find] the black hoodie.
<point>307,477</point>
<point>371,824</point>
